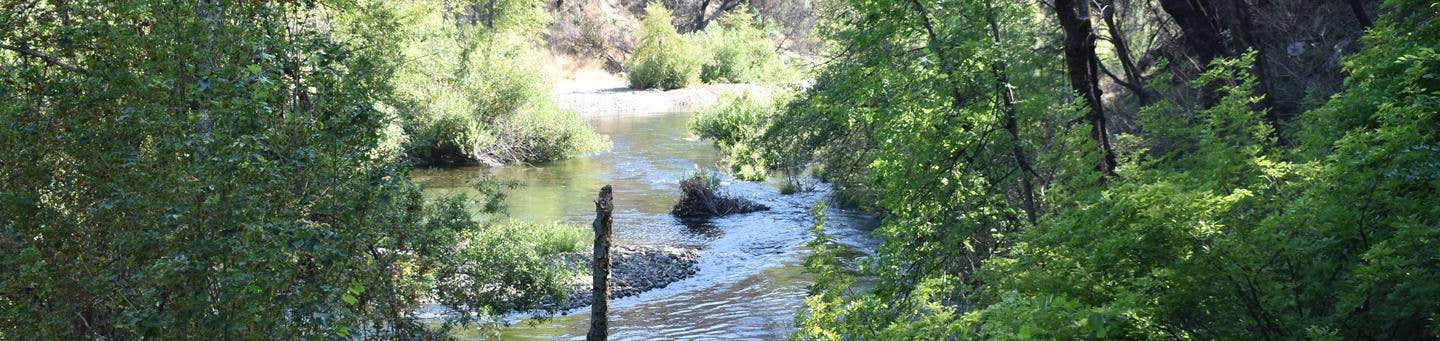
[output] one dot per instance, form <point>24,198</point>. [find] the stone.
<point>634,269</point>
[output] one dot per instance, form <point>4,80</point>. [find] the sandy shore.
<point>600,96</point>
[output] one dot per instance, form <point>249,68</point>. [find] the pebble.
<point>633,270</point>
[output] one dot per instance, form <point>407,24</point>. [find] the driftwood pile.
<point>699,199</point>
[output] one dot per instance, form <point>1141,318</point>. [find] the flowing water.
<point>750,281</point>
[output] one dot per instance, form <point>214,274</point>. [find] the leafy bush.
<point>471,93</point>
<point>547,239</point>
<point>733,124</point>
<point>663,58</point>
<point>229,184</point>
<point>544,133</point>
<point>1211,228</point>
<point>703,179</point>
<point>500,265</point>
<point>740,50</point>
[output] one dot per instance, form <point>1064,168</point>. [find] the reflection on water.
<point>750,281</point>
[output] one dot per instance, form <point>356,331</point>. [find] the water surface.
<point>750,281</point>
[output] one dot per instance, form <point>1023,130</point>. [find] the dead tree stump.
<point>599,321</point>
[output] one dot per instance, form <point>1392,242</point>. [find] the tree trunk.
<point>1082,67</point>
<point>725,6</point>
<point>1201,36</point>
<point>1132,80</point>
<point>1007,105</point>
<point>1245,39</point>
<point>600,274</point>
<point>1358,6</point>
<point>1200,32</point>
<point>1201,22</point>
<point>700,16</point>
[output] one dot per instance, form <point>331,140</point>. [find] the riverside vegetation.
<point>737,50</point>
<point>241,169</point>
<point>470,92</point>
<point>1020,202</point>
<point>238,169</point>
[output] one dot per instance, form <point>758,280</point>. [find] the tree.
<point>941,120</point>
<point>1201,34</point>
<point>217,168</point>
<point>1358,6</point>
<point>1082,67</point>
<point>725,6</point>
<point>1206,24</point>
<point>1210,227</point>
<point>1133,80</point>
<point>1010,121</point>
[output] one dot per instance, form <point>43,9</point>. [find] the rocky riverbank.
<point>633,270</point>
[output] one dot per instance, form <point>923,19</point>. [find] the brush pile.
<point>700,198</point>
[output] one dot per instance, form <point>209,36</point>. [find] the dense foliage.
<point>238,169</point>
<point>470,91</point>
<point>739,50</point>
<point>663,59</point>
<point>999,225</point>
<point>220,168</point>
<point>731,124</point>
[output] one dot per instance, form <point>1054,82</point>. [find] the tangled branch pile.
<point>700,198</point>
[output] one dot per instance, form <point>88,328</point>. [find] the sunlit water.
<point>750,281</point>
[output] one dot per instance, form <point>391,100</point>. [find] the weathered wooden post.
<point>600,291</point>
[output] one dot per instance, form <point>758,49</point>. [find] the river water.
<point>750,282</point>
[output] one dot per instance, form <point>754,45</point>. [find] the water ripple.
<point>750,281</point>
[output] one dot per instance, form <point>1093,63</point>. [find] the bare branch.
<point>1129,85</point>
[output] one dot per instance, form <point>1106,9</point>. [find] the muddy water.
<point>750,282</point>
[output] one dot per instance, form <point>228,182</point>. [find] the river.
<point>750,282</point>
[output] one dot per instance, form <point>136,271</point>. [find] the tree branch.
<point>1133,87</point>
<point>52,60</point>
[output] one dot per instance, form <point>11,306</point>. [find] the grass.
<point>543,239</point>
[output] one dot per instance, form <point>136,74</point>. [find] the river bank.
<point>602,95</point>
<point>634,269</point>
<point>749,278</point>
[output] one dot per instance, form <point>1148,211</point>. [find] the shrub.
<point>545,133</point>
<point>732,125</point>
<point>738,50</point>
<point>663,59</point>
<point>471,94</point>
<point>501,265</point>
<point>180,188</point>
